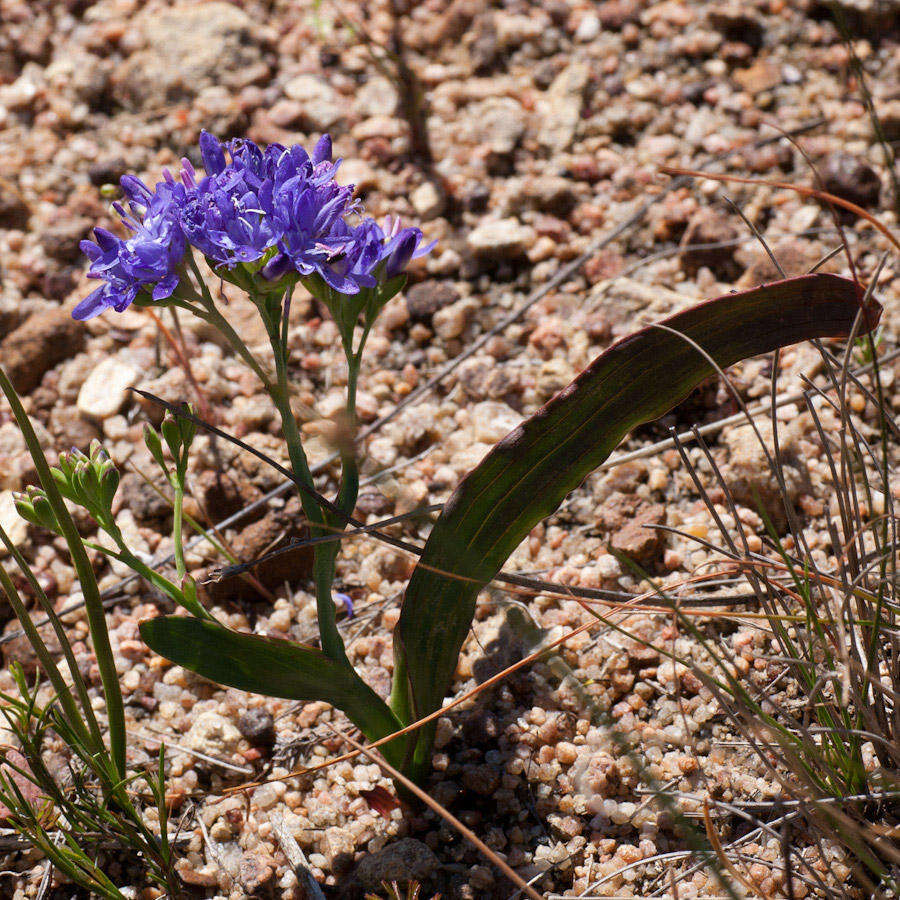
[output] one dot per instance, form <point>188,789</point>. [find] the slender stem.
<point>115,708</point>
<point>324,555</point>
<point>279,391</point>
<point>160,582</point>
<point>349,490</point>
<point>177,529</point>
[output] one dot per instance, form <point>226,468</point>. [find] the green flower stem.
<point>324,558</point>
<point>115,708</point>
<point>324,554</point>
<point>177,525</point>
<point>349,490</point>
<point>160,582</point>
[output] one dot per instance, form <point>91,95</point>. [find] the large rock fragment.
<point>748,471</point>
<point>45,339</point>
<point>404,861</point>
<point>187,48</point>
<point>106,389</point>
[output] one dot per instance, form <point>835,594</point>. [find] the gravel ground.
<point>548,122</point>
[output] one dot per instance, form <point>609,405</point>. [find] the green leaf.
<point>269,666</point>
<point>528,474</point>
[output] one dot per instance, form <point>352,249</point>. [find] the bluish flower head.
<point>279,208</point>
<point>312,218</point>
<point>354,252</point>
<point>401,246</point>
<point>148,260</point>
<point>227,215</point>
<point>262,199</point>
<point>229,219</point>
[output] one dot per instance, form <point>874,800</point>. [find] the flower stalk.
<point>264,220</point>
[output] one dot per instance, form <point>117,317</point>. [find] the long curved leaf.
<point>528,474</point>
<point>269,666</point>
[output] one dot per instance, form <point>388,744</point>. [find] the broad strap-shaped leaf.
<point>528,474</point>
<point>269,666</point>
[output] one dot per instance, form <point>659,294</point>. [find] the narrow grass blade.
<point>528,474</point>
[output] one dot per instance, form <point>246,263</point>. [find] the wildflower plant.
<point>265,220</point>
<point>273,220</point>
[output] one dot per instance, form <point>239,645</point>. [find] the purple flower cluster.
<point>277,210</point>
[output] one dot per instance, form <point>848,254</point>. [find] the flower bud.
<point>109,484</point>
<point>34,507</point>
<point>171,435</point>
<point>154,445</point>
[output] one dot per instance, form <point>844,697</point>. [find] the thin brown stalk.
<point>185,363</point>
<point>724,861</point>
<point>785,185</point>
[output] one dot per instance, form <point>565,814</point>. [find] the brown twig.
<point>724,861</point>
<point>785,185</point>
<point>184,362</point>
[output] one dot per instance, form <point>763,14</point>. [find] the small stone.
<point>258,727</point>
<point>286,113</point>
<point>485,48</point>
<point>213,735</point>
<point>566,753</point>
<point>616,14</point>
<point>106,389</point>
<point>62,241</point>
<point>761,76</point>
<point>626,517</point>
<point>493,420</point>
<point>423,300</point>
<point>561,107</point>
<point>256,873</point>
<point>588,28</point>
<point>377,97</point>
<point>748,472</point>
<point>14,210</point>
<point>404,861</point>
<point>850,178</point>
<point>503,238</point>
<point>497,124</point>
<point>204,876</point>
<point>322,106</point>
<point>359,173</point>
<point>709,226</point>
<point>450,322</point>
<point>427,201</point>
<point>42,341</point>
